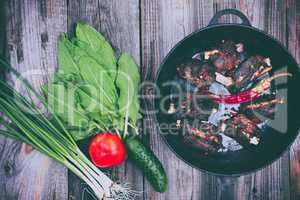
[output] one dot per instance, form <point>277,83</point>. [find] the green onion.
<point>51,138</point>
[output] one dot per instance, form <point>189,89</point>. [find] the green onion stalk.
<point>50,137</point>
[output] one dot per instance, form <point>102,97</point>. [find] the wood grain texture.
<point>164,23</point>
<point>2,28</point>
<point>293,17</point>
<point>31,37</point>
<point>271,182</point>
<point>147,29</point>
<point>159,34</point>
<point>119,22</point>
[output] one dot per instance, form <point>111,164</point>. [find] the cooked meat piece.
<point>207,73</point>
<point>200,144</point>
<point>243,122</point>
<point>226,58</point>
<point>249,70</point>
<point>199,74</point>
<point>246,79</point>
<point>205,141</point>
<point>261,108</point>
<point>243,130</point>
<point>228,47</point>
<point>196,106</point>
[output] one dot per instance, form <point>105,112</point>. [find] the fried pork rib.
<point>204,140</point>
<point>262,108</point>
<point>196,107</point>
<point>243,130</point>
<point>248,82</point>
<point>226,57</point>
<point>250,70</point>
<point>199,74</point>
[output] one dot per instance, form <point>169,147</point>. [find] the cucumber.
<point>145,159</point>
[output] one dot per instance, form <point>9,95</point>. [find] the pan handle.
<point>228,185</point>
<point>218,15</point>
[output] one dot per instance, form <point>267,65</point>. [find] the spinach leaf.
<point>98,82</point>
<point>104,120</point>
<point>128,79</point>
<point>93,73</point>
<point>96,46</point>
<point>92,101</point>
<point>91,90</point>
<point>66,62</point>
<point>63,102</point>
<point>97,92</point>
<point>79,133</point>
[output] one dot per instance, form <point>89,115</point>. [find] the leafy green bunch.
<point>93,90</point>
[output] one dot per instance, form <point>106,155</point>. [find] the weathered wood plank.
<point>227,187</point>
<point>164,23</point>
<point>32,31</point>
<point>293,10</point>
<point>33,27</point>
<point>85,11</point>
<point>2,28</point>
<point>119,22</point>
<point>271,182</point>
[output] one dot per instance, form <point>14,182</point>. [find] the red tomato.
<point>107,150</point>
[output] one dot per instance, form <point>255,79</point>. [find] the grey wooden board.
<point>293,26</point>
<point>31,36</point>
<point>148,29</point>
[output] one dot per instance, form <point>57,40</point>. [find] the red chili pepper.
<point>248,95</point>
<point>242,97</point>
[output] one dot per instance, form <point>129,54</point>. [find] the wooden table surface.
<point>147,29</point>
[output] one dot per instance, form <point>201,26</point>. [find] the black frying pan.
<point>275,141</point>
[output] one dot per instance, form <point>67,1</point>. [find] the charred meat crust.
<point>249,70</point>
<point>243,130</point>
<point>227,61</point>
<point>204,140</point>
<point>197,73</point>
<point>227,58</point>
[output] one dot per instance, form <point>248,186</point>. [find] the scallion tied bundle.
<point>49,136</point>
